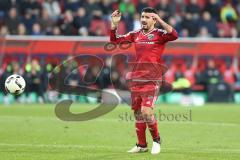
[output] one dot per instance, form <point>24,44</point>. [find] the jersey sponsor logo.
<point>148,42</point>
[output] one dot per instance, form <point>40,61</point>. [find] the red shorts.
<point>144,95</point>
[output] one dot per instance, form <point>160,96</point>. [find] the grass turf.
<point>32,132</point>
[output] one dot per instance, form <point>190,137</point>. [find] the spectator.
<point>83,31</point>
<point>66,26</point>
<point>28,20</point>
<point>234,33</point>
<point>36,30</point>
<point>71,73</point>
<point>180,7</point>
<point>229,72</point>
<point>106,7</point>
<point>32,6</point>
<point>56,31</point>
<point>94,77</point>
<point>126,6</point>
<point>12,21</point>
<point>173,22</point>
<point>4,31</point>
<point>81,19</point>
<point>97,14</point>
<point>16,69</point>
<point>33,77</point>
<point>213,7</point>
<point>45,22</point>
<point>221,33</point>
<point>184,33</point>
<point>217,88</point>
<point>22,29</point>
<point>183,85</point>
<point>203,33</point>
<point>53,9</point>
<point>90,6</point>
<point>98,32</point>
<point>117,80</point>
<point>211,75</point>
<point>228,13</point>
<point>207,22</point>
<point>193,8</point>
<point>188,22</point>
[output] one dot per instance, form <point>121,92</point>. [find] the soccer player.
<point>149,44</point>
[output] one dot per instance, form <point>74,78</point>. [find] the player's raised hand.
<point>153,15</point>
<point>166,26</point>
<point>116,17</point>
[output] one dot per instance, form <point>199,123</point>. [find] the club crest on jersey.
<point>150,36</point>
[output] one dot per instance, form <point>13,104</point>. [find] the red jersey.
<point>149,47</point>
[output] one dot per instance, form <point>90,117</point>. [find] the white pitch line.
<point>123,121</point>
<point>57,145</point>
<point>67,146</point>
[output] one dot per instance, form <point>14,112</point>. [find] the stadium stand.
<point>79,17</point>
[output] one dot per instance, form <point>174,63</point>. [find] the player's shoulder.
<point>131,33</point>
<point>135,32</point>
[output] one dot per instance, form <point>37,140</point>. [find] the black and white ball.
<point>15,84</point>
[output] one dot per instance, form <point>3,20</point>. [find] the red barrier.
<point>95,45</point>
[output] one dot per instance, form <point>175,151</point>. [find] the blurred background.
<point>38,35</point>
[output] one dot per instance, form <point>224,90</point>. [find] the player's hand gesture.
<point>153,15</point>
<point>166,26</point>
<point>116,17</point>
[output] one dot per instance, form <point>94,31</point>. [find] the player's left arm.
<point>171,34</point>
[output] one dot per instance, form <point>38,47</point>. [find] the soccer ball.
<point>15,84</point>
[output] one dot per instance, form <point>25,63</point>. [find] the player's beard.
<point>145,27</point>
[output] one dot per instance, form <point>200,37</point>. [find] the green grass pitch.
<point>32,132</point>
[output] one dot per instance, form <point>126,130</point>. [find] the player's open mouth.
<point>144,24</point>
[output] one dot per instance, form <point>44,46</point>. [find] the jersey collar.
<point>148,31</point>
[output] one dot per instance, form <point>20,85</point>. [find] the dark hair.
<point>149,10</point>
